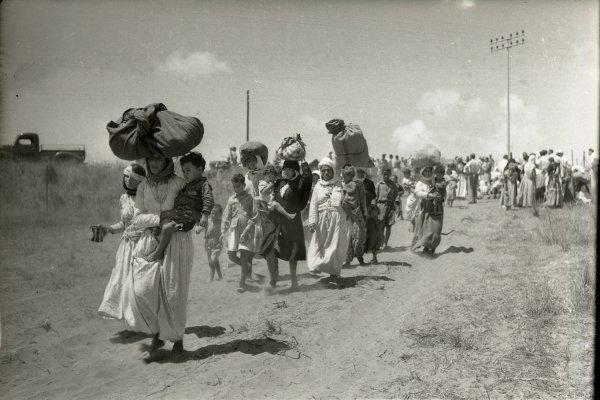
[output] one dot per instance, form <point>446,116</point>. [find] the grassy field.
<point>506,309</point>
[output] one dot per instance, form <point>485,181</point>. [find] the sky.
<point>409,73</point>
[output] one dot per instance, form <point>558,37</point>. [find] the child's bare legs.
<point>165,237</point>
<point>213,263</point>
<point>244,259</point>
<point>388,232</point>
<point>273,265</point>
<point>293,278</point>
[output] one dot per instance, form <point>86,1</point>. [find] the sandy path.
<point>353,341</point>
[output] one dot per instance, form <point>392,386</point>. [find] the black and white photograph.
<point>298,199</point>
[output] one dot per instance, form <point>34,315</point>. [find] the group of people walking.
<point>345,215</point>
<point>344,212</point>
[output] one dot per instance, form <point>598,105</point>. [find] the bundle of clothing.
<point>349,144</point>
<point>153,131</point>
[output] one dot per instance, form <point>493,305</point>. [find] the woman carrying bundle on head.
<point>430,212</point>
<point>292,192</point>
<point>328,223</point>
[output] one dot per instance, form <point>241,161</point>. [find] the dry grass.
<point>34,193</point>
<point>569,227</point>
<point>540,300</point>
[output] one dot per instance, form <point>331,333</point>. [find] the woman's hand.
<point>312,228</point>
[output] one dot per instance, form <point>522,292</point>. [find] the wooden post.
<point>247,115</point>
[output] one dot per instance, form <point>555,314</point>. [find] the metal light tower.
<point>506,43</point>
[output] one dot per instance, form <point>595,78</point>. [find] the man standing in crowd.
<point>472,169</point>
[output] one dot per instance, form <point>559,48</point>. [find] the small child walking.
<point>452,180</point>
<point>212,241</point>
<point>374,237</point>
<point>196,196</point>
<point>238,211</point>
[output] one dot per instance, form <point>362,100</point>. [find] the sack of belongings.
<point>153,131</point>
<point>427,156</point>
<point>253,149</point>
<point>292,148</point>
<point>349,144</point>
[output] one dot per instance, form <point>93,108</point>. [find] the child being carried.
<point>196,196</point>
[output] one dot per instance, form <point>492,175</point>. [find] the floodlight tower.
<point>506,43</point>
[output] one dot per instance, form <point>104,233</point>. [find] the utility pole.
<point>247,115</point>
<point>506,43</point>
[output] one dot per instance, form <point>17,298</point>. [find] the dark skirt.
<point>291,239</point>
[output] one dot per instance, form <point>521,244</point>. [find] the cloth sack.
<point>427,156</point>
<point>252,149</point>
<point>292,148</point>
<point>153,131</point>
<point>349,144</point>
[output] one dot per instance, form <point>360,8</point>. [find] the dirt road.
<point>455,325</point>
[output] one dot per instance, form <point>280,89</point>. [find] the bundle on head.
<point>251,150</point>
<point>427,156</point>
<point>292,148</point>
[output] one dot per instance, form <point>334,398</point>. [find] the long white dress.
<point>116,300</point>
<point>329,243</point>
<point>160,288</point>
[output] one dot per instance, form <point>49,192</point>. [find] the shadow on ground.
<point>128,337</point>
<point>342,282</point>
<point>246,346</point>
<point>205,331</point>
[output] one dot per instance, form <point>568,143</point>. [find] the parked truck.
<point>26,147</point>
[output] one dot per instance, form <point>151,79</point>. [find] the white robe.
<point>329,243</point>
<point>160,288</point>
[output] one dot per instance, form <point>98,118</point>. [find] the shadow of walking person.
<point>246,346</point>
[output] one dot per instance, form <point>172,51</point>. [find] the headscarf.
<point>139,176</point>
<point>260,167</point>
<point>327,162</point>
<point>162,176</point>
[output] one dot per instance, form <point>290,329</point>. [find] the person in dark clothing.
<point>292,191</point>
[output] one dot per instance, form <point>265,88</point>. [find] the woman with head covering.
<point>554,195</point>
<point>411,201</point>
<point>160,287</point>
<point>329,223</point>
<point>430,212</point>
<point>511,176</point>
<point>115,301</point>
<point>292,192</point>
<point>527,187</point>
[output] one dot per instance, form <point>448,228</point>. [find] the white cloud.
<point>450,104</point>
<point>193,64</point>
<point>466,4</point>
<point>412,137</point>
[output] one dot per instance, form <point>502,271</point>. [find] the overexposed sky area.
<point>408,72</point>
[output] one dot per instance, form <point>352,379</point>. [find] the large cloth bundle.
<point>292,148</point>
<point>153,131</point>
<point>253,149</point>
<point>427,156</point>
<point>349,144</point>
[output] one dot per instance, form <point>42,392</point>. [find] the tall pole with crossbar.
<point>506,43</point>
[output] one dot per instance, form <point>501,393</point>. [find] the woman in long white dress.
<point>160,287</point>
<point>329,224</point>
<point>115,300</point>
